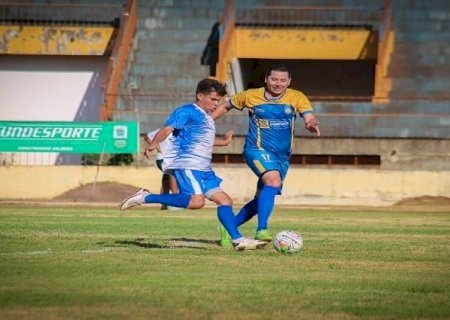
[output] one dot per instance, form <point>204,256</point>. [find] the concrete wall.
<point>395,154</point>
<point>302,186</point>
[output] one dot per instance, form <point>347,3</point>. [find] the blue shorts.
<point>198,182</point>
<point>261,161</point>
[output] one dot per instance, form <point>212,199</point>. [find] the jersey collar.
<point>272,99</point>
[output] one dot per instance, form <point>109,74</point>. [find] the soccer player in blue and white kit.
<point>272,112</point>
<point>195,132</point>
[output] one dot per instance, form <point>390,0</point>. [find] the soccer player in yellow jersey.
<point>272,112</point>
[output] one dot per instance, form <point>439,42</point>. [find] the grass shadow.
<point>202,241</point>
<point>139,243</point>
<point>172,243</point>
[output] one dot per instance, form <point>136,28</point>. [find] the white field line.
<point>49,251</point>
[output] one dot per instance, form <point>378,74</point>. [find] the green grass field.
<point>100,263</point>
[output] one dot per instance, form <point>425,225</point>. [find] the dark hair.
<point>206,86</point>
<point>278,67</point>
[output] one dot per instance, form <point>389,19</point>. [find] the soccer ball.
<point>288,241</point>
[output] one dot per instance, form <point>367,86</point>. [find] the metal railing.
<point>385,45</point>
<point>117,60</point>
<point>60,13</point>
<point>276,16</point>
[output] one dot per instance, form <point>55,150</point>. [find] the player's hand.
<point>229,136</point>
<point>313,126</point>
<point>148,150</point>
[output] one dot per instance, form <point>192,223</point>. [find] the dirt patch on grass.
<point>100,192</point>
<point>110,192</point>
<point>424,201</point>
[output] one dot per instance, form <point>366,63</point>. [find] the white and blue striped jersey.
<point>195,132</point>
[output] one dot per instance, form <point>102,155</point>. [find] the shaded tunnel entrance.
<point>340,80</point>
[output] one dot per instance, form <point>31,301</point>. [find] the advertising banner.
<point>69,137</point>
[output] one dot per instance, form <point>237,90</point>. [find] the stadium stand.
<point>164,65</point>
<point>410,99</point>
<point>394,93</point>
<point>406,77</point>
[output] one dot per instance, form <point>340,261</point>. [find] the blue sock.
<point>266,201</point>
<point>226,218</point>
<point>180,200</point>
<point>247,212</point>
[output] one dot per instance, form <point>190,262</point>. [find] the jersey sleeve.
<point>179,117</point>
<point>239,100</point>
<point>303,105</point>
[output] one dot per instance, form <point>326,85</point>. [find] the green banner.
<point>69,137</point>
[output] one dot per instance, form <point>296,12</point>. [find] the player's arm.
<point>226,140</point>
<point>149,140</point>
<point>311,124</point>
<point>223,108</point>
<point>305,110</point>
<point>162,134</point>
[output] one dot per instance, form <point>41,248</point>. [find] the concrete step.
<point>174,35</point>
<point>393,107</point>
<point>153,104</point>
<point>418,59</point>
<point>160,12</point>
<point>368,4</point>
<point>416,94</point>
<point>174,24</point>
<point>422,37</point>
<point>395,71</point>
<point>192,59</point>
<point>425,49</point>
<point>140,69</point>
<point>170,46</point>
<point>357,126</point>
<point>402,126</point>
<point>166,82</point>
<point>169,72</point>
<point>209,4</point>
<point>422,26</point>
<point>421,84</point>
<point>420,5</point>
<point>405,119</point>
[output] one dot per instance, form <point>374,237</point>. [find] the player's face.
<point>277,82</point>
<point>208,102</point>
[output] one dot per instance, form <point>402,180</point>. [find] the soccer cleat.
<point>172,208</point>
<point>248,244</point>
<point>134,200</point>
<point>225,239</point>
<point>263,235</point>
